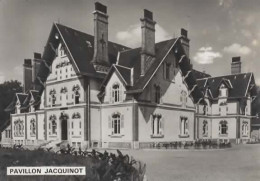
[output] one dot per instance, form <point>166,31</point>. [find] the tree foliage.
<point>7,93</point>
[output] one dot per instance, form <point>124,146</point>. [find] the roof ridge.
<point>224,76</point>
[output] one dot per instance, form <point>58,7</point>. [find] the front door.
<point>64,129</point>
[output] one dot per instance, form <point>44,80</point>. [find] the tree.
<point>7,92</point>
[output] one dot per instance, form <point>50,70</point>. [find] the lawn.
<point>239,163</point>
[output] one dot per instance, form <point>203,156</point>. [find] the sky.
<point>218,29</point>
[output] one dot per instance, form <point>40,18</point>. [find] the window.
<point>204,109</point>
<point>184,126</point>
<point>72,125</point>
<point>115,93</point>
<point>223,128</point>
<point>205,128</point>
<point>116,123</point>
<point>183,98</point>
<point>53,97</point>
<point>245,129</point>
<point>33,127</point>
<point>157,125</point>
<point>18,128</point>
<point>157,95</point>
<point>54,127</point>
<point>76,96</point>
<point>223,91</point>
<point>53,124</point>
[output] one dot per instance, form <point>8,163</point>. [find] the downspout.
<point>88,106</point>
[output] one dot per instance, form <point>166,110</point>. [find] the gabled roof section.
<point>21,98</point>
<point>240,84</point>
<point>124,74</point>
<point>226,82</point>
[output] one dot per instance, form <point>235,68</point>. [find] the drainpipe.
<point>88,106</point>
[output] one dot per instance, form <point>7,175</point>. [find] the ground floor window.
<point>116,123</point>
<point>33,127</point>
<point>245,129</point>
<point>157,124</point>
<point>18,128</point>
<point>223,127</point>
<point>184,126</point>
<point>8,133</point>
<point>205,128</point>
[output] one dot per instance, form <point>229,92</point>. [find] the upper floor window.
<point>116,93</point>
<point>183,98</point>
<point>223,127</point>
<point>205,128</point>
<point>32,127</point>
<point>75,89</point>
<point>184,126</point>
<point>223,91</point>
<point>245,129</point>
<point>53,97</point>
<point>18,128</point>
<point>157,125</point>
<point>157,95</point>
<point>53,124</point>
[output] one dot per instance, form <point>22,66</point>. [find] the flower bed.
<point>99,166</point>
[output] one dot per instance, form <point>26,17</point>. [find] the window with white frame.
<point>205,128</point>
<point>53,124</point>
<point>223,91</point>
<point>223,127</point>
<point>52,97</point>
<point>245,129</point>
<point>184,126</point>
<point>157,125</point>
<point>116,93</point>
<point>18,128</point>
<point>116,123</point>
<point>76,94</point>
<point>32,127</point>
<point>64,92</point>
<point>183,98</point>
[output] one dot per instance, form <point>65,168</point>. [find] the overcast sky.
<point>218,29</point>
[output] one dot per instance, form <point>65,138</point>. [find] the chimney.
<point>148,41</point>
<point>27,75</point>
<point>100,58</point>
<point>236,65</point>
<point>185,41</point>
<point>36,65</point>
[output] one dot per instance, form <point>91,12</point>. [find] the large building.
<point>89,92</point>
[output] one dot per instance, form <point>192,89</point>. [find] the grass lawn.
<point>239,163</point>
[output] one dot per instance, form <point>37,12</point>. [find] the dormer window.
<point>183,98</point>
<point>223,91</point>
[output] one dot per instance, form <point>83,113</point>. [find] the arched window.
<point>223,127</point>
<point>53,97</point>
<point>116,124</point>
<point>76,95</point>
<point>205,128</point>
<point>223,91</point>
<point>245,129</point>
<point>115,93</point>
<point>183,98</point>
<point>33,127</point>
<point>53,124</point>
<point>157,95</point>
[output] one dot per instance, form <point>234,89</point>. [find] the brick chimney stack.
<point>27,75</point>
<point>100,58</point>
<point>185,41</point>
<point>36,62</point>
<point>236,65</point>
<point>148,41</point>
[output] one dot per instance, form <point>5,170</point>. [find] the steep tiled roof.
<point>240,84</point>
<point>200,75</point>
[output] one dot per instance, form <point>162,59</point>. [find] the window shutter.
<point>187,126</point>
<point>152,93</point>
<point>164,70</point>
<point>151,120</point>
<point>162,125</point>
<point>161,96</point>
<point>219,128</point>
<point>110,125</point>
<point>110,95</point>
<point>122,121</point>
<point>120,93</point>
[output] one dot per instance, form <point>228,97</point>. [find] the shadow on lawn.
<point>99,166</point>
